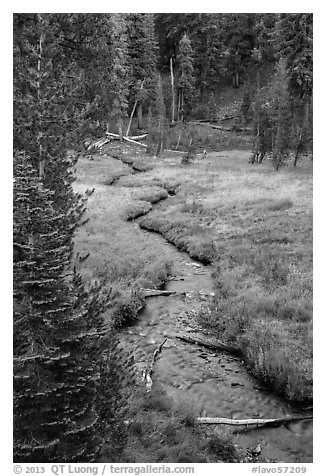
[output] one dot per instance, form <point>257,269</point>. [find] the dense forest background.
<point>77,76</point>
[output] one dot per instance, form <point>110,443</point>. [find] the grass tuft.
<point>137,209</point>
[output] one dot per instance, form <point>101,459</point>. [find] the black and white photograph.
<point>162,242</point>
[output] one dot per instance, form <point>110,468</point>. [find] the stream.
<point>215,383</point>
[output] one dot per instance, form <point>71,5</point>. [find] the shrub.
<point>125,307</point>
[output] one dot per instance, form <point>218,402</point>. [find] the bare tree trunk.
<point>120,124</point>
<point>134,108</point>
<point>179,139</point>
<point>297,148</point>
<point>299,140</point>
<point>235,78</point>
<point>173,92</point>
<point>179,105</point>
<point>140,115</point>
<point>131,116</point>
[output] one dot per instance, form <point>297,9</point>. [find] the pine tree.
<point>156,121</point>
<point>207,44</point>
<point>56,366</point>
<point>185,76</point>
<point>118,68</point>
<point>59,362</point>
<point>280,113</point>
<point>142,53</point>
<point>238,31</point>
<point>294,35</point>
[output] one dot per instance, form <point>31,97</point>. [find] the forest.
<point>139,139</point>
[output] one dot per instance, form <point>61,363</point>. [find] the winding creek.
<point>216,383</point>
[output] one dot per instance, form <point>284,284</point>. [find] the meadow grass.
<point>255,226</point>
<point>127,260</point>
<point>120,255</point>
<point>162,431</point>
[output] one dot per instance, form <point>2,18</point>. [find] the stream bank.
<point>217,383</point>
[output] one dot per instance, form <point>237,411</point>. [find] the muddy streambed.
<point>217,384</point>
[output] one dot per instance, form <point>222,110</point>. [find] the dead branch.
<point>97,144</point>
<point>213,345</point>
<point>148,371</point>
<point>252,421</point>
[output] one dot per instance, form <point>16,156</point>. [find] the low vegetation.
<point>184,234</point>
<point>81,275</point>
<point>128,260</point>
<point>255,226</point>
<point>120,255</point>
<point>161,431</point>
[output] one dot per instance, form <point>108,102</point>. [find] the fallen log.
<point>142,136</point>
<point>97,144</point>
<point>222,128</point>
<point>158,292</point>
<point>213,345</point>
<point>252,421</point>
<point>127,139</point>
<point>175,151</point>
<point>226,118</point>
<point>148,371</point>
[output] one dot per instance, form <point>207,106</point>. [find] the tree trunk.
<point>261,156</point>
<point>120,128</point>
<point>181,106</point>
<point>299,140</point>
<point>41,169</point>
<point>38,84</point>
<point>140,115</point>
<point>297,149</point>
<point>173,92</point>
<point>235,78</point>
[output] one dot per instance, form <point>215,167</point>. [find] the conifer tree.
<point>208,51</point>
<point>294,35</point>
<point>142,53</point>
<point>156,121</point>
<point>59,362</point>
<point>238,30</point>
<point>185,76</point>
<point>56,365</point>
<point>118,69</point>
<point>280,114</point>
